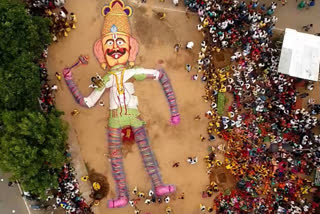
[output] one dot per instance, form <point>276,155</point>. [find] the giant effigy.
<point>116,51</point>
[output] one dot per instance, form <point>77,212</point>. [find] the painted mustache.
<point>116,54</point>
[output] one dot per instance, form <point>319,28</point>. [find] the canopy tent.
<point>300,55</point>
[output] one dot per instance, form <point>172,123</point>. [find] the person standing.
<point>54,87</point>
<point>302,4</point>
<point>177,47</point>
<point>161,15</point>
<point>311,3</point>
<point>101,103</point>
<point>58,76</point>
<point>307,27</point>
<point>175,2</point>
<point>190,45</point>
<point>188,67</point>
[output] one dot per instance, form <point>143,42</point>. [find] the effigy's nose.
<point>115,46</point>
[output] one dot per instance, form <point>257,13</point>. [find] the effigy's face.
<point>116,49</point>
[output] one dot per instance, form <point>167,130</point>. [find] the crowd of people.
<point>272,150</point>
<point>46,99</point>
<point>68,196</point>
<point>150,198</point>
<point>38,6</point>
<point>306,4</point>
<point>62,22</point>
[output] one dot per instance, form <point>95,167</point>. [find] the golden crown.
<point>116,18</point>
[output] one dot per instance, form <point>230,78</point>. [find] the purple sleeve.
<point>73,88</point>
<point>168,90</point>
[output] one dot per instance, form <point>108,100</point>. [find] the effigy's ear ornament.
<point>107,8</point>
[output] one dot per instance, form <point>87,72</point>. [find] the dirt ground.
<point>170,144</point>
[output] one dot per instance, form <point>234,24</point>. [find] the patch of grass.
<point>221,103</point>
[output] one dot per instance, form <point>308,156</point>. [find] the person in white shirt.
<point>175,2</point>
<point>54,87</point>
<point>190,45</point>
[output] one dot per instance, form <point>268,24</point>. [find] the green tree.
<point>23,38</point>
<point>32,147</point>
<point>32,144</point>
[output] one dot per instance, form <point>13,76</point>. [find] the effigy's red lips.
<point>116,55</point>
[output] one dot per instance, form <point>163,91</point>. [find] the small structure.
<point>300,55</point>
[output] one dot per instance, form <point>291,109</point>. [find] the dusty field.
<point>170,144</point>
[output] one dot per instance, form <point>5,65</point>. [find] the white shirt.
<point>224,25</point>
<point>224,43</point>
<point>190,45</point>
<point>54,87</point>
<point>62,14</point>
<point>116,99</point>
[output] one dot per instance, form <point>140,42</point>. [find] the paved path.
<point>79,165</point>
<point>10,198</point>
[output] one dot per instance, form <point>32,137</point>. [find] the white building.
<point>300,55</point>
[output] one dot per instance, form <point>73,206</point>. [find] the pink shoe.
<point>165,189</point>
<point>121,202</point>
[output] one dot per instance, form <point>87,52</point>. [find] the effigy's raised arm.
<point>87,102</point>
<point>167,88</point>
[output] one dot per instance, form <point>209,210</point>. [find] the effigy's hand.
<point>67,73</point>
<point>175,120</point>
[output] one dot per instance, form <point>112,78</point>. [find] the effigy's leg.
<point>150,162</point>
<point>114,144</point>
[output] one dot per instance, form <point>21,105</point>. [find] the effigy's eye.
<point>120,42</point>
<point>109,42</point>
